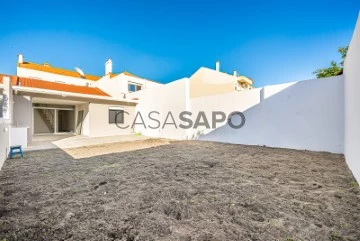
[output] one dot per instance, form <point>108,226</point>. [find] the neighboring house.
<point>42,99</point>
<point>119,85</point>
<point>205,82</point>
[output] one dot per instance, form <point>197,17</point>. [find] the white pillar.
<point>7,99</point>
<point>55,121</point>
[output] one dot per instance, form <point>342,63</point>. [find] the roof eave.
<point>95,98</point>
<point>89,77</point>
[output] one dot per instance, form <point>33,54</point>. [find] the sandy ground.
<point>96,150</point>
<point>184,191</point>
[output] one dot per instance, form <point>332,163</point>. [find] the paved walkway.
<point>44,142</point>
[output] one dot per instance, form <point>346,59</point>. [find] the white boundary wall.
<point>4,140</point>
<point>317,115</point>
<point>300,115</point>
<point>163,99</point>
<point>227,103</point>
<point>352,104</point>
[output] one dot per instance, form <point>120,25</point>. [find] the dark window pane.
<point>132,88</point>
<point>120,117</point>
<point>118,114</point>
<point>112,116</point>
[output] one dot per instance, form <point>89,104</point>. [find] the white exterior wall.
<point>85,127</point>
<point>111,86</point>
<point>7,99</point>
<point>227,103</point>
<point>5,122</point>
<point>18,136</point>
<point>22,114</point>
<point>164,98</point>
<point>352,104</point>
<point>4,140</point>
<point>214,77</point>
<point>99,120</point>
<point>147,84</point>
<point>304,115</point>
<point>208,82</point>
<point>118,85</point>
<point>35,74</point>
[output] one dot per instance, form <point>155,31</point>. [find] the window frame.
<point>136,86</point>
<point>114,118</point>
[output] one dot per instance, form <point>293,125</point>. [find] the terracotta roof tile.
<point>112,75</point>
<point>41,84</point>
<point>54,70</point>
<point>130,74</point>
<point>12,78</point>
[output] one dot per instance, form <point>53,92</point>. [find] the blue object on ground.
<point>15,150</point>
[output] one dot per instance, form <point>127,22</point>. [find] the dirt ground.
<point>184,191</point>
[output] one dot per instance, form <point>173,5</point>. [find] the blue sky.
<point>269,41</point>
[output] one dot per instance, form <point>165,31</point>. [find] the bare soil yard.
<point>184,191</point>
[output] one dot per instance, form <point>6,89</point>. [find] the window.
<point>116,115</point>
<point>132,87</point>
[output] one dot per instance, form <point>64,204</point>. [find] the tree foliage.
<point>334,68</point>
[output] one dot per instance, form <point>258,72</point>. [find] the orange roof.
<point>132,75</point>
<point>12,78</point>
<point>54,70</point>
<point>245,79</point>
<point>41,84</point>
<point>112,75</point>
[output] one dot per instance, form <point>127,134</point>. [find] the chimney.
<point>218,66</point>
<point>235,73</point>
<point>20,59</point>
<point>108,67</point>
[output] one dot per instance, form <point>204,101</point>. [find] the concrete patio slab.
<point>44,142</point>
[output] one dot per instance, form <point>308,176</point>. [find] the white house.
<point>115,84</point>
<point>44,99</point>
